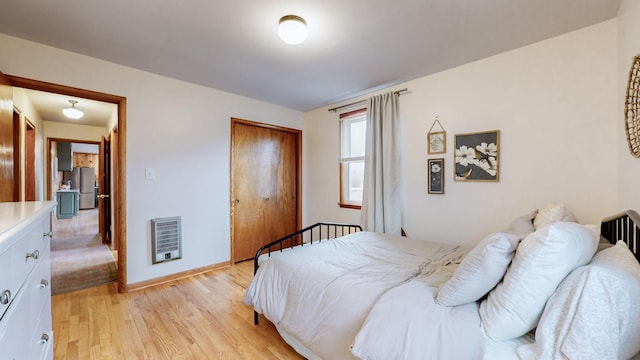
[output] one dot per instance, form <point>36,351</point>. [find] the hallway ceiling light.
<point>292,29</point>
<point>72,112</point>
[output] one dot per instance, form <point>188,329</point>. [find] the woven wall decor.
<point>632,108</point>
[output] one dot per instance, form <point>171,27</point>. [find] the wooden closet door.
<point>283,180</point>
<point>264,187</point>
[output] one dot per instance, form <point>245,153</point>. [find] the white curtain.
<point>382,193</point>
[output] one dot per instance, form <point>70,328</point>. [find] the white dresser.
<point>25,278</point>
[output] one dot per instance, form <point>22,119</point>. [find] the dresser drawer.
<point>41,343</point>
<point>29,249</point>
<point>15,329</point>
<point>43,349</point>
<point>7,288</point>
<point>40,283</point>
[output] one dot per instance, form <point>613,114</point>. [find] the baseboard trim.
<point>173,277</point>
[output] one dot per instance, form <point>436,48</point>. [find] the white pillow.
<point>553,213</point>
<point>522,225</point>
<point>479,272</point>
<point>594,312</point>
<point>541,261</point>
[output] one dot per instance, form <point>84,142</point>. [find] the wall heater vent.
<point>166,239</point>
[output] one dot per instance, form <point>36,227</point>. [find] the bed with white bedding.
<point>374,296</point>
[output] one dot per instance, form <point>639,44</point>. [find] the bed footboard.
<point>624,226</point>
<point>307,236</point>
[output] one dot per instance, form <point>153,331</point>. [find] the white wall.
<point>113,121</point>
<point>58,130</point>
<point>554,103</point>
<point>628,47</point>
<point>179,129</point>
<point>85,148</point>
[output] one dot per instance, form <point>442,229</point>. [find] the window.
<point>353,127</point>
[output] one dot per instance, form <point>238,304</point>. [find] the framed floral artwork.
<point>437,142</point>
<point>435,168</point>
<point>477,156</point>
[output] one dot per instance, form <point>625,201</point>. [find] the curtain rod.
<point>399,92</point>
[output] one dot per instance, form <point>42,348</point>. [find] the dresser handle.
<point>49,234</point>
<point>44,339</point>
<point>5,297</point>
<point>44,283</point>
<point>35,254</point>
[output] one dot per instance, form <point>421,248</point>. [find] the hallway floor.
<point>78,258</point>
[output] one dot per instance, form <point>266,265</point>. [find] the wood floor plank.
<point>199,317</point>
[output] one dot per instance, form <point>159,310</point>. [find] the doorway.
<point>118,194</point>
<point>81,255</point>
<point>265,185</point>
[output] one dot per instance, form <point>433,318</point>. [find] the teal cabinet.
<point>65,157</point>
<point>68,204</point>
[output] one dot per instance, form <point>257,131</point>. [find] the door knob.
<point>102,196</point>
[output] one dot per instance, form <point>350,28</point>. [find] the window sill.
<point>350,206</point>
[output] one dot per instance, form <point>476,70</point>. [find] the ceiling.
<point>49,106</point>
<point>354,47</point>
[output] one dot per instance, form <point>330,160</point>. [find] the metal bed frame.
<point>624,226</point>
<point>316,232</point>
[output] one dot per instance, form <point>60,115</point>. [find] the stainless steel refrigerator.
<point>84,179</point>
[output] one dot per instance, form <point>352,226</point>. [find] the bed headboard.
<point>624,226</point>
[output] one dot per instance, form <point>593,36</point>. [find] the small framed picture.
<point>437,142</point>
<point>477,156</point>
<point>435,168</point>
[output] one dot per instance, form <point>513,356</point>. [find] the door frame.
<point>17,153</point>
<point>101,211</point>
<point>48,141</point>
<point>120,208</point>
<point>30,135</point>
<point>298,135</point>
<point>104,185</point>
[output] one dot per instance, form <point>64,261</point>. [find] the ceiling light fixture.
<point>72,112</point>
<point>292,29</point>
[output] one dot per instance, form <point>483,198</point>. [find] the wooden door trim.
<point>7,181</point>
<point>17,164</point>
<point>29,160</point>
<point>101,190</point>
<point>121,195</point>
<point>298,135</point>
<point>113,186</point>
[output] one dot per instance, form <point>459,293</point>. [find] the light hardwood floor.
<point>200,317</point>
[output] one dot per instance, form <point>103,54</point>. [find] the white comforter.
<point>406,323</point>
<point>363,291</point>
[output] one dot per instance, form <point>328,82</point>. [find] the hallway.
<point>78,258</point>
